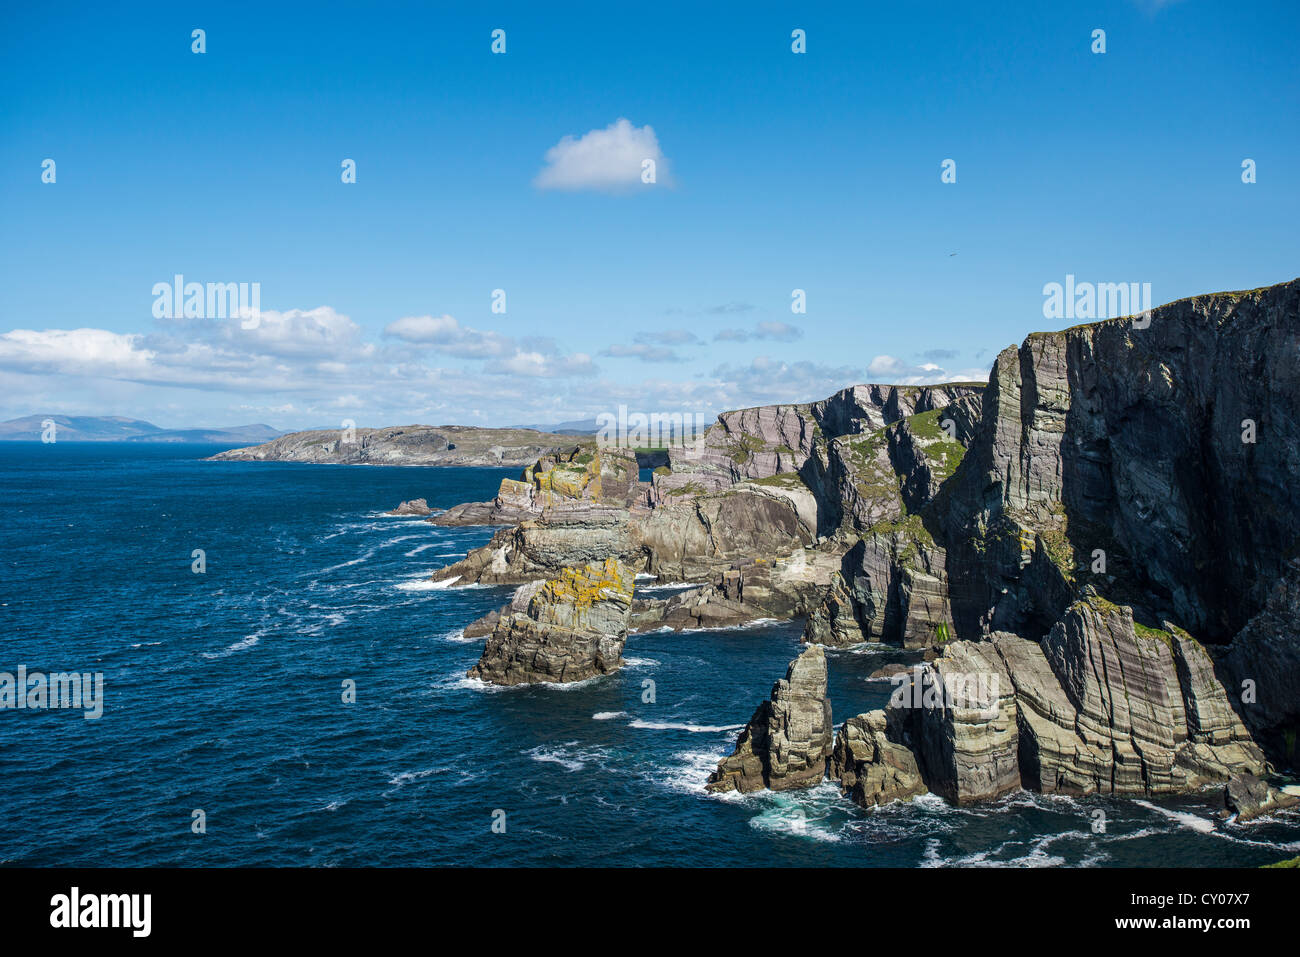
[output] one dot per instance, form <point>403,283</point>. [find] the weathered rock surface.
<point>575,475</point>
<point>406,445</point>
<point>416,506</point>
<point>871,768</point>
<point>787,741</point>
<point>1262,668</point>
<point>891,588</point>
<point>572,627</point>
<point>571,534</point>
<point>1249,797</point>
<point>1129,440</point>
<point>1104,709</point>
<point>1097,707</point>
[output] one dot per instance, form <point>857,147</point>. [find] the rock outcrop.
<point>406,445</point>
<point>1248,797</point>
<point>568,628</point>
<point>576,475</point>
<point>788,740</point>
<point>416,506</point>
<point>871,768</point>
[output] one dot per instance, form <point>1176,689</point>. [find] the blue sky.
<point>818,171</point>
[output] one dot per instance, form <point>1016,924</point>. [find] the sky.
<point>524,172</point>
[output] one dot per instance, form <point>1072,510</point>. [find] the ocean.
<point>223,701</point>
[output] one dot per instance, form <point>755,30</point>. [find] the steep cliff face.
<point>1099,706</point>
<point>1155,463</point>
<point>1262,670</point>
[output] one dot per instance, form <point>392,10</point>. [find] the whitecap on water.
<point>683,726</point>
<point>567,755</point>
<point>248,641</point>
<point>425,584</point>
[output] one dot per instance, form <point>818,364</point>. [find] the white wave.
<point>406,777</point>
<point>744,626</point>
<point>608,715</point>
<point>424,584</point>
<point>683,726</point>
<point>248,641</point>
<point>370,553</point>
<point>788,815</point>
<point>690,773</point>
<point>639,662</point>
<point>457,636</point>
<point>1192,822</point>
<point>420,548</point>
<point>566,755</point>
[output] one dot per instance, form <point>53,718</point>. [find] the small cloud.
<point>730,308</point>
<point>446,335</point>
<point>668,337</point>
<point>646,353</point>
<point>535,365</point>
<point>770,331</point>
<point>778,331</point>
<point>609,160</point>
<point>939,355</point>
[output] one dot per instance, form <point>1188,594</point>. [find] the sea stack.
<point>787,741</point>
<point>567,628</point>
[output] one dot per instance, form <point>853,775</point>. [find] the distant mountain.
<point>117,428</point>
<point>575,427</point>
<point>235,433</point>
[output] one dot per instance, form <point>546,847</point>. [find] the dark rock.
<point>1249,797</point>
<point>787,741</point>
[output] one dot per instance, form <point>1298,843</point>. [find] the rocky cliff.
<point>1100,552</point>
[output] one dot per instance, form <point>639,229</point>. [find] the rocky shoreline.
<point>1097,560</point>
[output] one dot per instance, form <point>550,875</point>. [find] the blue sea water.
<point>223,692</point>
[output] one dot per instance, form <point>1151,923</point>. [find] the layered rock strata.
<point>788,740</point>
<point>568,628</point>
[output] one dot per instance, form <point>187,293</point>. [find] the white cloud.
<point>643,351</point>
<point>537,365</point>
<point>447,335</point>
<point>890,370</point>
<point>608,160</point>
<point>773,331</point>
